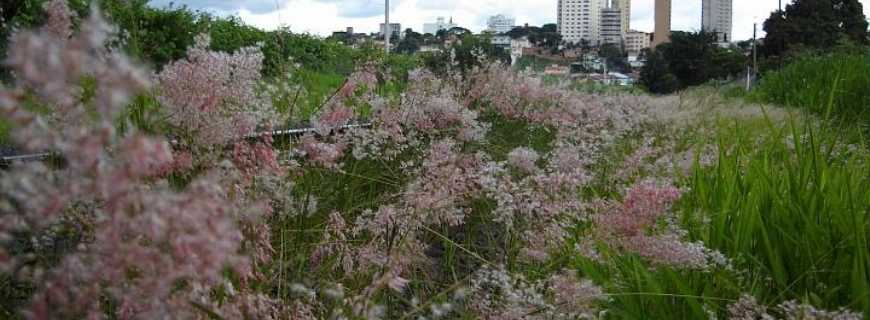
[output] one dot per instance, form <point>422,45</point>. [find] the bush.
<point>825,84</point>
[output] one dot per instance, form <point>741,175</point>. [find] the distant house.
<point>349,37</point>
<point>612,78</point>
<point>517,47</point>
<point>557,70</point>
<point>431,48</point>
<point>573,53</point>
<point>502,41</point>
<point>636,61</point>
<point>617,78</point>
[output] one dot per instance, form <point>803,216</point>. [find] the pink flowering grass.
<point>140,239</point>
<point>492,195</point>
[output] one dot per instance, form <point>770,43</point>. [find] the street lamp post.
<point>387,33</point>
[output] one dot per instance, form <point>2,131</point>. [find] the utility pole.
<point>754,49</point>
<point>387,33</point>
<point>752,71</point>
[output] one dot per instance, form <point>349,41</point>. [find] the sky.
<point>322,17</point>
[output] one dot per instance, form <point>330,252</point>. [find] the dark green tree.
<point>689,55</point>
<point>550,27</point>
<point>410,44</point>
<point>469,52</point>
<point>518,32</point>
<point>690,59</point>
<point>617,59</point>
<point>656,75</point>
<point>814,24</point>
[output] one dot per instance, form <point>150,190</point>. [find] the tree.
<point>411,43</point>
<point>469,52</point>
<point>689,55</point>
<point>550,27</point>
<point>814,24</point>
<point>690,59</point>
<point>518,32</point>
<point>615,57</point>
<point>458,31</point>
<point>546,39</point>
<point>656,75</point>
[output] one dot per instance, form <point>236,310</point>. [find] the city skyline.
<point>322,17</point>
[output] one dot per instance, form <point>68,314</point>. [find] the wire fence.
<point>9,155</point>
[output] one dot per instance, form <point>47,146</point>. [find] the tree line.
<point>804,27</point>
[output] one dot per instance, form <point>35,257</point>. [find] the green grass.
<point>834,84</point>
<point>535,63</point>
<point>793,217</point>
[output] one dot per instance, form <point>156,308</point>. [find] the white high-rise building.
<point>438,25</point>
<point>611,26</point>
<point>716,17</point>
<point>579,19</point>
<point>500,23</point>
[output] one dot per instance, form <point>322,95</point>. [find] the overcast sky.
<point>322,17</point>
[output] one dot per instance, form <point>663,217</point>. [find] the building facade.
<point>662,22</point>
<point>517,47</point>
<point>501,40</point>
<point>716,16</point>
<point>500,23</point>
<point>395,30</point>
<point>624,7</point>
<point>438,25</point>
<point>636,41</point>
<point>611,26</point>
<point>579,20</point>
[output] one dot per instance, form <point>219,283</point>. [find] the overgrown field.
<point>829,85</point>
<point>474,194</point>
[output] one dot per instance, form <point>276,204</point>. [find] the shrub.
<point>829,85</point>
<point>112,236</point>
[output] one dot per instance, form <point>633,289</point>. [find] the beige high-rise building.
<point>663,23</point>
<point>624,7</point>
<point>636,41</point>
<point>579,20</point>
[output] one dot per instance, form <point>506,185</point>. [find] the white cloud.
<point>322,17</point>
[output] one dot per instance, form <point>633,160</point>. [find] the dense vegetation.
<point>813,24</point>
<point>476,192</point>
<point>829,85</point>
<point>690,59</point>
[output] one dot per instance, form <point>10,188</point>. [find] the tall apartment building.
<point>636,41</point>
<point>500,23</point>
<point>624,7</point>
<point>579,19</point>
<point>611,26</point>
<point>663,22</point>
<point>438,25</point>
<point>395,30</point>
<point>716,17</point>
